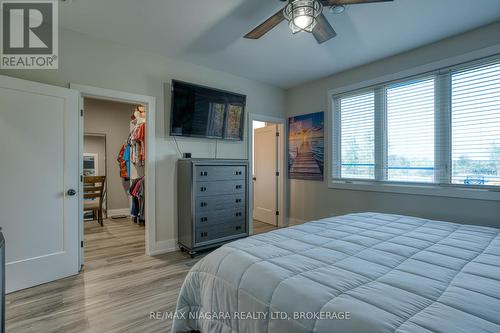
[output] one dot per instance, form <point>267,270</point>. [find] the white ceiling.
<point>209,32</point>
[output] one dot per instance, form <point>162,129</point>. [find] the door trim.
<point>149,102</point>
<point>263,139</point>
<point>282,166</point>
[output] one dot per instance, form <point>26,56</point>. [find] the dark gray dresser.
<point>212,202</point>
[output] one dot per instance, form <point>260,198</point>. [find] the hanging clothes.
<point>137,192</point>
<point>137,144</point>
<point>131,159</point>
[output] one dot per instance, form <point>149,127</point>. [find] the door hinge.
<point>277,213</point>
<point>277,133</point>
<point>81,243</point>
<point>81,178</point>
<point>277,173</point>
<point>81,112</point>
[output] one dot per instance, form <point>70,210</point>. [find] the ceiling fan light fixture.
<point>302,14</point>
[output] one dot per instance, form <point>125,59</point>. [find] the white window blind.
<point>357,136</point>
<point>440,128</point>
<point>410,131</point>
<point>475,125</point>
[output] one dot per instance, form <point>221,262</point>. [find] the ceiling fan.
<point>306,15</point>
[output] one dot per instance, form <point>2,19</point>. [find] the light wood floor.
<point>115,292</point>
<point>260,227</point>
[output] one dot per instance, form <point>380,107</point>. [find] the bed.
<point>366,272</point>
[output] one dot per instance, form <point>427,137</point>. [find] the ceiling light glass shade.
<point>302,14</point>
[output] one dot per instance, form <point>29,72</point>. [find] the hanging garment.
<point>141,139</point>
<point>134,209</point>
<point>123,164</point>
<point>137,144</point>
<point>126,158</point>
<point>137,192</point>
<point>142,201</point>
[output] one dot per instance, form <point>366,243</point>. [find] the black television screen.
<point>205,112</point>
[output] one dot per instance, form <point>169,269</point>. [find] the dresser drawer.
<point>220,187</point>
<point>219,217</point>
<point>219,172</point>
<point>210,233</point>
<point>219,202</point>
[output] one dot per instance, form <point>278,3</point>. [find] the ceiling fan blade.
<point>266,26</point>
<point>349,2</point>
<point>323,30</point>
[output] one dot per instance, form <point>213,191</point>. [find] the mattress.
<point>365,272</point>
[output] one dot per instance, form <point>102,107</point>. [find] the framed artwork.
<point>90,164</point>
<point>306,146</point>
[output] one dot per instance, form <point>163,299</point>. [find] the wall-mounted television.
<point>204,112</point>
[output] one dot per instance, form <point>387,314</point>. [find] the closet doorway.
<point>127,121</point>
<point>114,149</point>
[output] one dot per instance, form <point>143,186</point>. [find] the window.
<point>357,141</point>
<point>410,131</point>
<point>439,129</point>
<point>476,126</point>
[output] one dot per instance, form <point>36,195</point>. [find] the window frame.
<point>442,137</point>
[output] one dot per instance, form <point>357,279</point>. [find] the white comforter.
<point>356,273</point>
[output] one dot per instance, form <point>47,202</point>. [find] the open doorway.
<point>267,153</point>
<point>114,194</point>
<point>94,164</point>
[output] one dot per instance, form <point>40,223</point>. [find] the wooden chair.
<point>93,195</point>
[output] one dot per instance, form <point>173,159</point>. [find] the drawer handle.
<point>203,189</point>
<point>204,234</point>
<point>203,204</point>
<point>238,213</point>
<point>238,200</point>
<point>204,219</point>
<point>238,173</point>
<point>238,187</point>
<point>238,228</point>
<point>203,173</point>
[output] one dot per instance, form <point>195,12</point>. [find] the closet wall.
<point>112,119</point>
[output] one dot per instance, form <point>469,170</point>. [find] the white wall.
<point>100,63</point>
<point>309,200</point>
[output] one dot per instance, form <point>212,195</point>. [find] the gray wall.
<point>100,63</point>
<point>310,200</point>
<point>113,120</point>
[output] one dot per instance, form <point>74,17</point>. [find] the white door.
<point>39,166</point>
<point>265,190</point>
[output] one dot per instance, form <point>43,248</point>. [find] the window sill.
<point>418,189</point>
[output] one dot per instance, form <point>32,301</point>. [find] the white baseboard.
<point>164,246</point>
<point>119,211</point>
<point>293,221</point>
